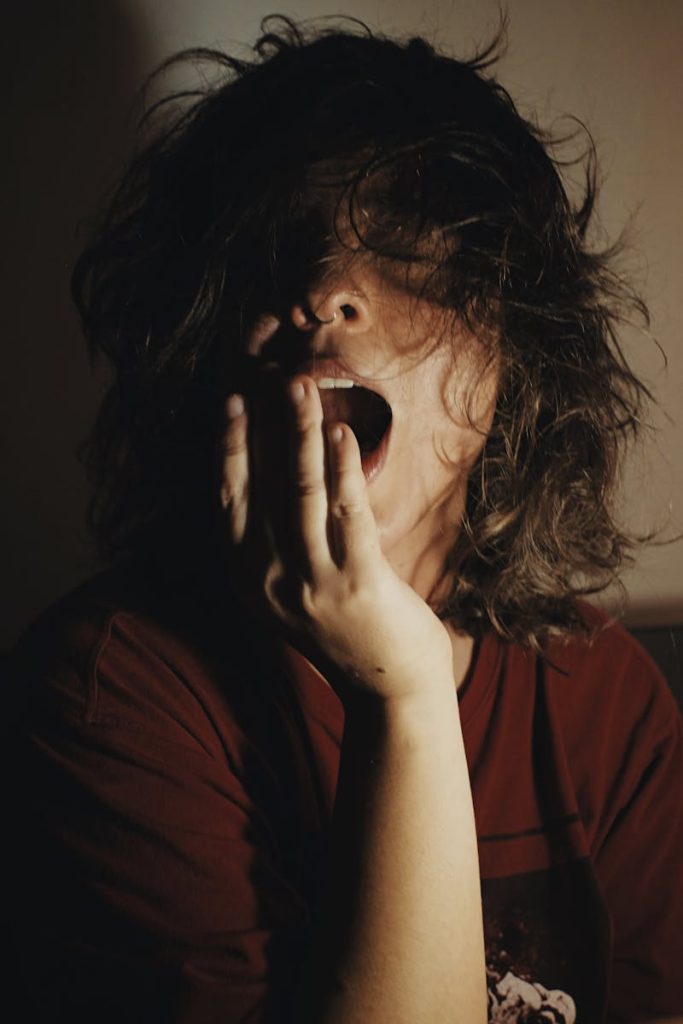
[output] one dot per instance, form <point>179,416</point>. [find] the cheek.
<point>461,447</point>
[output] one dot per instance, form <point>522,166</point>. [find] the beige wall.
<point>74,68</point>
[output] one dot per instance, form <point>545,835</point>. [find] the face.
<point>364,325</point>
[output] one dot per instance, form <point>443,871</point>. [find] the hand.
<point>308,556</point>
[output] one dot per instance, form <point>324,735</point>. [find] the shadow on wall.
<point>72,72</point>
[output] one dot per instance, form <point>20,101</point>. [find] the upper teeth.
<point>335,382</point>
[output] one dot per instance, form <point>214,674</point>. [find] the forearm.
<point>399,937</point>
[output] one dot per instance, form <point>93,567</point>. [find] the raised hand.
<point>309,554</point>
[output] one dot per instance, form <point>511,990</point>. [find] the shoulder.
<point>112,654</point>
<point>607,669</point>
<point>592,675</point>
<point>616,711</point>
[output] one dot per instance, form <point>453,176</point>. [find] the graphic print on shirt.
<point>512,1000</point>
<point>547,947</point>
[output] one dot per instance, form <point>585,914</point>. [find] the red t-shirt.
<point>176,771</point>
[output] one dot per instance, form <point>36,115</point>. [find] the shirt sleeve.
<point>148,883</point>
<point>639,863</point>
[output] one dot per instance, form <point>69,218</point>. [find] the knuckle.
<point>305,423</point>
<point>302,426</point>
<point>309,600</point>
<point>272,584</point>
<point>345,508</point>
<point>233,445</point>
<point>307,486</point>
<point>318,603</point>
<point>232,497</point>
<point>359,595</point>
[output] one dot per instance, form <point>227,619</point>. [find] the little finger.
<point>235,468</point>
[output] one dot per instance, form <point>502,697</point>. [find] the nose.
<point>335,310</point>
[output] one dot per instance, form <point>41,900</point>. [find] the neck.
<point>419,560</point>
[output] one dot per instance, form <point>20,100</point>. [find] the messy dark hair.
<point>215,211</point>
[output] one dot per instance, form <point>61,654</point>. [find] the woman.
<point>334,740</point>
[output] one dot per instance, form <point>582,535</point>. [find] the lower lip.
<point>373,462</point>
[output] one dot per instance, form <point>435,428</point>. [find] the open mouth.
<point>368,415</point>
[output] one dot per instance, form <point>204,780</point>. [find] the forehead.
<point>328,249</point>
<point>360,207</point>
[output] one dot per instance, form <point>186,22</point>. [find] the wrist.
<point>416,714</point>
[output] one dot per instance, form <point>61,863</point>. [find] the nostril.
<point>308,317</point>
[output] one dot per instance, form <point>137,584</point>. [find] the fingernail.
<point>297,392</point>
<point>336,434</point>
<point>235,406</point>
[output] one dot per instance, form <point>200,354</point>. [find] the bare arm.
<point>399,938</point>
<point>399,935</point>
